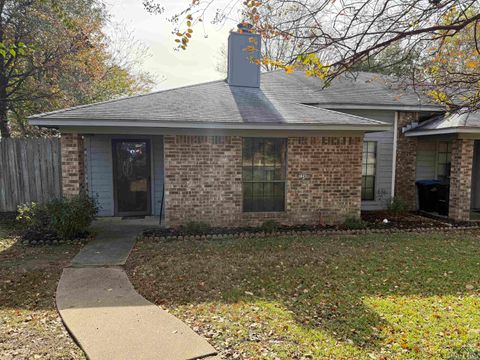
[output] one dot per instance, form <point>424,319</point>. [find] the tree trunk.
<point>4,130</point>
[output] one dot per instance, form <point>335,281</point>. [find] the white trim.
<point>432,108</point>
<point>209,126</point>
<point>394,155</point>
<point>462,130</point>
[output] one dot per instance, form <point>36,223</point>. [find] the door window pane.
<point>131,176</point>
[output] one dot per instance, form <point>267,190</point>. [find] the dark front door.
<point>131,177</point>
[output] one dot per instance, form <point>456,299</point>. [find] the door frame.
<point>148,211</point>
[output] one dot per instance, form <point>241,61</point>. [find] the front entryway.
<point>131,177</point>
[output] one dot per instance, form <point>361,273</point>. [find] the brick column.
<point>73,163</point>
<point>461,179</point>
<point>405,173</point>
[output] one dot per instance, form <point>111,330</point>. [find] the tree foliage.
<point>327,38</point>
<point>56,54</point>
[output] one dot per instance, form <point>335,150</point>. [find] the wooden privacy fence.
<point>30,170</point>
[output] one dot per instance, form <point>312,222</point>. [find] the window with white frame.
<point>369,164</point>
<point>444,159</point>
<point>264,174</point>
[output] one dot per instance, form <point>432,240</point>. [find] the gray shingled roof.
<point>281,99</point>
<point>449,123</point>
<point>364,89</point>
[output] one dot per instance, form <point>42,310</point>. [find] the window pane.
<point>442,146</point>
<point>247,190</point>
<point>247,152</point>
<point>264,173</point>
<point>247,173</point>
<point>268,189</point>
<point>369,181</point>
<point>257,190</point>
<point>442,158</point>
<point>258,152</point>
<point>259,173</point>
<point>269,173</point>
<point>247,196</point>
<point>370,170</point>
<point>269,152</point>
<point>369,160</point>
<point>279,173</point>
<point>368,194</point>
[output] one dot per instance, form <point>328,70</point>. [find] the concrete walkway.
<point>112,245</point>
<point>105,314</point>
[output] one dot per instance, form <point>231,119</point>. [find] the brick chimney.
<point>241,70</point>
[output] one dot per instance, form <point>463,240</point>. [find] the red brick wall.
<point>461,179</point>
<point>203,180</point>
<point>324,178</point>
<point>73,163</point>
<point>405,173</point>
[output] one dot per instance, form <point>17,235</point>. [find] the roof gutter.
<point>332,106</point>
<point>55,123</point>
<point>461,130</point>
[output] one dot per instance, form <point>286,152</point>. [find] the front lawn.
<point>30,327</point>
<point>397,296</point>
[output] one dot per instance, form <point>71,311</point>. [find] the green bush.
<point>270,226</point>
<point>67,218</point>
<point>354,223</point>
<point>195,228</point>
<point>398,206</point>
<point>34,217</point>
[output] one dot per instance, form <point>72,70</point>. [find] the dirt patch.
<point>30,326</point>
<point>409,220</point>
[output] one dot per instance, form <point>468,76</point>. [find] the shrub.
<point>66,218</point>
<point>72,216</point>
<point>195,228</point>
<point>269,226</point>
<point>398,206</point>
<point>354,223</point>
<point>35,222</point>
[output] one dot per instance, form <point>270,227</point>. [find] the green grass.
<point>30,327</point>
<point>398,296</point>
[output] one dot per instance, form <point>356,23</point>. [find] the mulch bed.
<point>373,221</point>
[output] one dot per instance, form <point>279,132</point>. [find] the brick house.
<point>254,147</point>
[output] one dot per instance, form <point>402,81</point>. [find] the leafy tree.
<point>452,74</point>
<point>55,54</point>
<point>329,38</point>
<point>393,61</point>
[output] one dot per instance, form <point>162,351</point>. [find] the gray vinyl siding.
<point>383,174</point>
<point>99,171</point>
<point>99,166</point>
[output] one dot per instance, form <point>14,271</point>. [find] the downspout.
<point>394,159</point>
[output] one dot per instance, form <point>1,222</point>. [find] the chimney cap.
<point>245,26</point>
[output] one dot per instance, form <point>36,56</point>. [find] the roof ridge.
<point>119,99</point>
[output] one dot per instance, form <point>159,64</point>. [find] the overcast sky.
<point>175,68</point>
